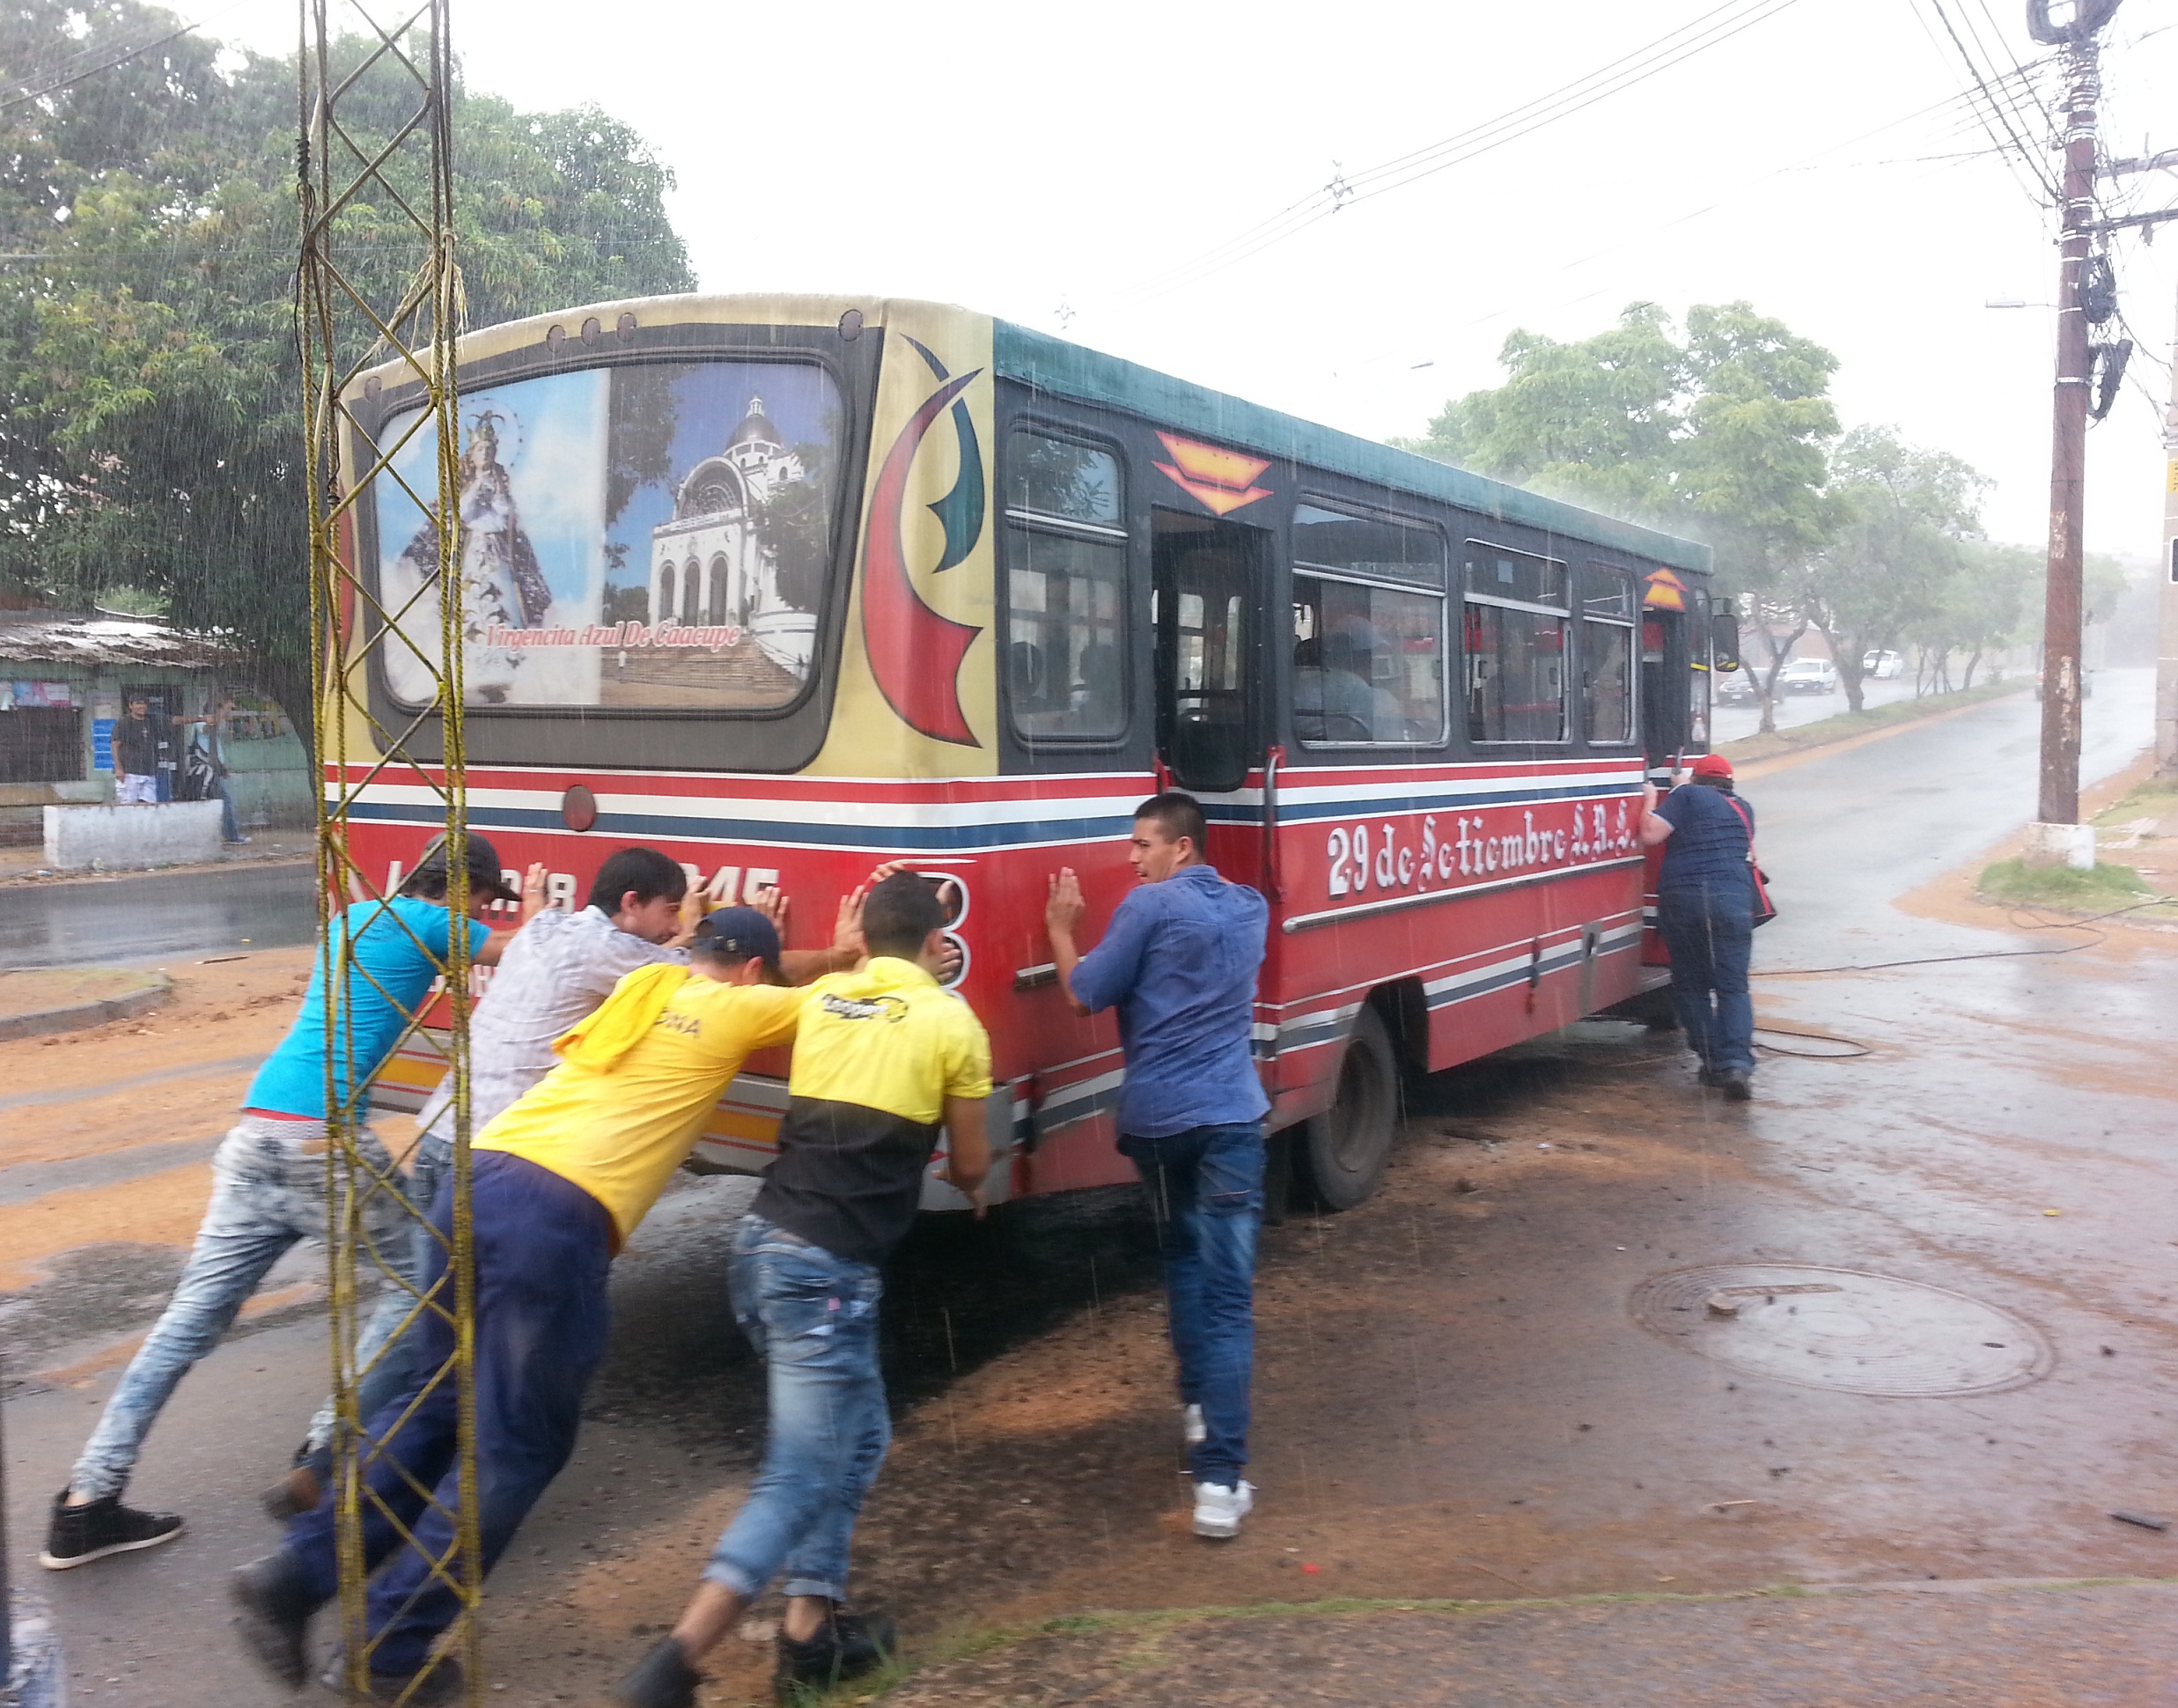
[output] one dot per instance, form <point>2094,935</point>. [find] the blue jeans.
<point>543,1249</point>
<point>813,1318</point>
<point>399,1353</point>
<point>1708,929</point>
<point>1206,1192</point>
<point>230,828</point>
<point>268,1180</point>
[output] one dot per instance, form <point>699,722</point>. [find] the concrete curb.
<point>77,1017</point>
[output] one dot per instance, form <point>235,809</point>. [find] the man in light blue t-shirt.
<point>268,1178</point>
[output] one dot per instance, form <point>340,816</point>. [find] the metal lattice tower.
<point>378,285</point>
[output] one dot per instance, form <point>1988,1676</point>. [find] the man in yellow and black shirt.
<point>560,1179</point>
<point>884,1059</point>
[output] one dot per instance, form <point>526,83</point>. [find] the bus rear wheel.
<point>1342,1152</point>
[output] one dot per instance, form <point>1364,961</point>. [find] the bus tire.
<point>1342,1153</point>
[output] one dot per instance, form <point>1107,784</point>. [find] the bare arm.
<point>1654,830</point>
<point>533,892</point>
<point>968,1158</point>
<point>848,948</point>
<point>695,903</point>
<point>1061,915</point>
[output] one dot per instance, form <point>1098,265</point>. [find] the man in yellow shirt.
<point>559,1182</point>
<point>883,1058</point>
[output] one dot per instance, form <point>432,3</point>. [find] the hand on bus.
<point>533,891</point>
<point>1063,907</point>
<point>848,941</point>
<point>695,903</point>
<point>770,900</point>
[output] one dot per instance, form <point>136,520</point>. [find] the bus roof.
<point>1087,376</point>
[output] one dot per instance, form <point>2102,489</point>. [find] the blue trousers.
<point>1206,1192</point>
<point>543,1248</point>
<point>813,1318</point>
<point>1709,928</point>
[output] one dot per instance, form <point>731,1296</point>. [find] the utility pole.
<point>2166,647</point>
<point>2057,834</point>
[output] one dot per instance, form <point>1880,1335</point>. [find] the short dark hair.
<point>899,914</point>
<point>1176,815</point>
<point>646,871</point>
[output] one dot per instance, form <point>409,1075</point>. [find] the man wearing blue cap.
<point>561,1181</point>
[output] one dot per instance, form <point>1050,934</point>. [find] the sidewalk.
<point>26,864</point>
<point>37,1003</point>
<point>1989,1644</point>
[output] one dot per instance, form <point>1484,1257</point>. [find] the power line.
<point>1998,116</point>
<point>1710,29</point>
<point>42,91</point>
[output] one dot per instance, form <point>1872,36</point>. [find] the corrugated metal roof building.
<point>66,678</point>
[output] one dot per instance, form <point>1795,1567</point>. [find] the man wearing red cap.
<point>1705,909</point>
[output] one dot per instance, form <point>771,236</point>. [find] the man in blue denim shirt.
<point>1179,963</point>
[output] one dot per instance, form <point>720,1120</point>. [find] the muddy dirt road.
<point>1502,1380</point>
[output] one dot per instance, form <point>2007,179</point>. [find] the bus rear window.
<point>656,536</point>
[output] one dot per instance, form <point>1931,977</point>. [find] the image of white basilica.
<point>711,566</point>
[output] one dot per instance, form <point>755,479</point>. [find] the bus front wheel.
<point>1344,1151</point>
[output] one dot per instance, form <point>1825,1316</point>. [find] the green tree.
<point>149,422</point>
<point>1903,515</point>
<point>1981,607</point>
<point>1717,433</point>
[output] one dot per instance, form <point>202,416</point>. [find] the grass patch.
<point>2098,887</point>
<point>1153,1625</point>
<point>1846,724</point>
<point>2153,800</point>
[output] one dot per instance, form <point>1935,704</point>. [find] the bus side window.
<point>1065,597</point>
<point>1607,656</point>
<point>1517,621</point>
<point>1368,651</point>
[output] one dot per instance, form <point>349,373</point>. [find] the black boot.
<point>275,1611</point>
<point>662,1679</point>
<point>846,1645</point>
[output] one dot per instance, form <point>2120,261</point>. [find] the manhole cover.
<point>1840,1328</point>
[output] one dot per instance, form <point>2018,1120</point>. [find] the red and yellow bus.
<point>787,585</point>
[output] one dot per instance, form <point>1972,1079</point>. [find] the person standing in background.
<point>136,755</point>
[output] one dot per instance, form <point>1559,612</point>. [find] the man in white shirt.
<point>557,969</point>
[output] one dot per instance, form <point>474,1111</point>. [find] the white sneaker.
<point>1191,1426</point>
<point>1219,1510</point>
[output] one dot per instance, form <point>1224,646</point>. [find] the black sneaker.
<point>80,1535</point>
<point>847,1645</point>
<point>441,1680</point>
<point>662,1679</point>
<point>274,1616</point>
<point>1710,1077</point>
<point>1737,1087</point>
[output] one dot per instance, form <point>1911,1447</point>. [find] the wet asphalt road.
<point>1729,723</point>
<point>1881,1166</point>
<point>142,921</point>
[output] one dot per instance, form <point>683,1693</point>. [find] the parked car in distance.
<point>1736,688</point>
<point>1808,676</point>
<point>1882,665</point>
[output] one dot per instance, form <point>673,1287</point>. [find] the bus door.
<point>1208,591</point>
<point>1666,657</point>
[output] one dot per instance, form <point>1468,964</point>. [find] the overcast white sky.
<point>1022,158</point>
